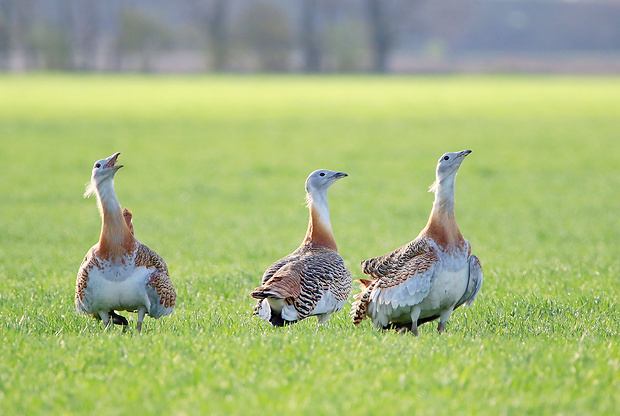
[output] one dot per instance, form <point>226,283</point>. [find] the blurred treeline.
<point>309,35</point>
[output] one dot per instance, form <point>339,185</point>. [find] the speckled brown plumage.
<point>417,265</point>
<point>313,280</point>
<point>271,270</point>
<point>144,256</point>
<point>431,276</point>
<point>398,272</point>
<point>392,269</point>
<point>363,298</point>
<point>119,273</point>
<point>90,261</point>
<point>391,262</point>
<point>304,276</point>
<point>160,281</point>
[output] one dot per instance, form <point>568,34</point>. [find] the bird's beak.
<point>463,153</point>
<point>339,175</point>
<point>112,162</point>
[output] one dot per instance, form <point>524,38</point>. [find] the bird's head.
<point>448,166</point>
<point>320,180</point>
<point>103,169</point>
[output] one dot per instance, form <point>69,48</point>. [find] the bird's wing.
<point>303,281</point>
<point>474,283</point>
<point>405,286</point>
<point>90,261</point>
<point>159,286</point>
<point>390,263</point>
<point>162,294</point>
<point>285,283</point>
<point>322,270</point>
<point>146,257</point>
<point>271,270</point>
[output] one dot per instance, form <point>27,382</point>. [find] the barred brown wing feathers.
<point>360,307</point>
<point>412,278</point>
<point>269,273</point>
<point>273,269</point>
<point>411,269</point>
<point>90,261</point>
<point>324,270</point>
<point>283,284</point>
<point>388,263</point>
<point>162,284</point>
<point>309,273</point>
<point>159,280</point>
<point>149,258</point>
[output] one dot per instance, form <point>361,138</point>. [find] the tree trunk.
<point>87,33</point>
<point>380,34</point>
<point>309,42</point>
<point>218,35</point>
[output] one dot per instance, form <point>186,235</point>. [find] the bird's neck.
<point>116,238</point>
<point>319,232</point>
<point>441,226</point>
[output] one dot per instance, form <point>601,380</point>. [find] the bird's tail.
<point>359,308</point>
<point>128,219</point>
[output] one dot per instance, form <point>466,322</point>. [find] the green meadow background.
<point>214,173</point>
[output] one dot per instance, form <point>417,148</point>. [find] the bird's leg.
<point>443,319</point>
<point>141,313</point>
<point>105,317</point>
<point>323,319</point>
<point>415,314</point>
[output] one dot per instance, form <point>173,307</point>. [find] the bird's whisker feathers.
<point>91,189</point>
<point>434,187</point>
<point>308,200</point>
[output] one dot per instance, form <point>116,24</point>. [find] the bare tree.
<point>85,34</point>
<point>141,36</point>
<point>381,34</point>
<point>310,43</point>
<point>387,20</point>
<point>212,17</point>
<point>218,35</point>
<point>4,34</point>
<point>20,16</point>
<point>267,33</point>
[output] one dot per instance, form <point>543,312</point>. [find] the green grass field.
<point>214,172</point>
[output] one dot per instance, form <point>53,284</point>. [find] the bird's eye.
<point>98,165</point>
<point>322,174</point>
<point>446,157</point>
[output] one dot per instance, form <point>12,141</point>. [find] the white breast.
<point>118,287</point>
<point>327,304</point>
<point>449,283</point>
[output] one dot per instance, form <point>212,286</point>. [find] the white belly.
<point>117,288</point>
<point>447,288</point>
<point>327,305</point>
<point>448,284</point>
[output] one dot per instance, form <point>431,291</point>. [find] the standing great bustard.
<point>429,277</point>
<point>119,272</point>
<point>313,280</point>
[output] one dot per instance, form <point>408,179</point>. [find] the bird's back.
<point>304,277</point>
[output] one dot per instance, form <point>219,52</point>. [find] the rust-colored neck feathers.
<point>116,239</point>
<point>319,232</point>
<point>441,226</point>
